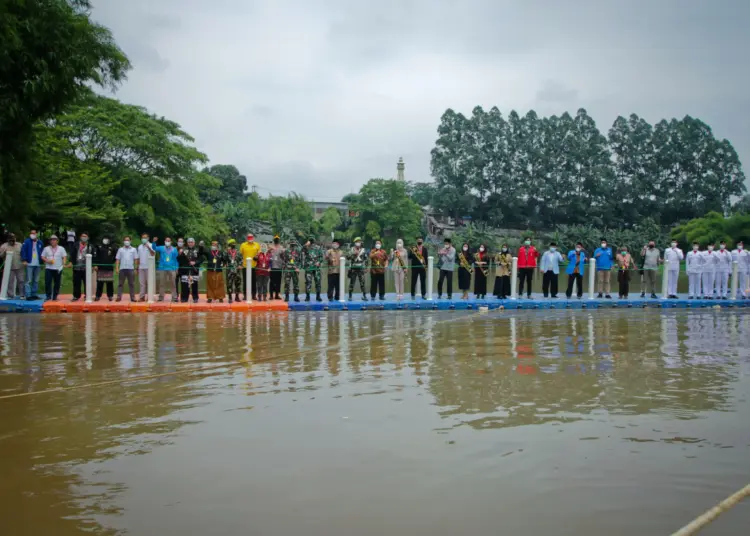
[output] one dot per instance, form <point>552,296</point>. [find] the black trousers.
<point>52,279</point>
<point>275,288</point>
<point>445,275</point>
<point>525,274</point>
<point>549,283</point>
<point>502,286</point>
<point>377,285</point>
<point>253,282</point>
<point>333,286</point>
<point>623,278</point>
<point>421,274</point>
<point>79,282</point>
<point>100,288</point>
<point>578,279</point>
<point>189,289</point>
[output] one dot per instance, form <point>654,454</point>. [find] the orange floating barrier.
<point>239,306</point>
<point>218,307</point>
<point>54,307</point>
<point>140,307</point>
<point>74,307</point>
<point>161,307</point>
<point>119,307</point>
<point>96,307</point>
<point>180,307</point>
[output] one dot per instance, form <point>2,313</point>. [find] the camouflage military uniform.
<point>291,262</point>
<point>358,263</point>
<point>312,259</point>
<point>233,261</point>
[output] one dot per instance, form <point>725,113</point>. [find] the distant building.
<point>400,167</point>
<point>319,207</point>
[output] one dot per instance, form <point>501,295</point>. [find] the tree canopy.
<point>385,212</point>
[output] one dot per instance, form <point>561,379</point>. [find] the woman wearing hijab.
<point>503,262</point>
<point>465,269</point>
<point>482,262</point>
<point>399,264</point>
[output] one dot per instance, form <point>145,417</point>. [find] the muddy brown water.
<point>531,423</point>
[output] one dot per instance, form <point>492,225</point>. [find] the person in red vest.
<point>527,260</point>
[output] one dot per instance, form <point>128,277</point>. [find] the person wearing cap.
<point>723,269</point>
<point>145,251</point>
<point>604,258</point>
<point>446,265</point>
<point>80,249</point>
<point>54,257</point>
<point>312,260</point>
<point>291,258</point>
<point>418,259</point>
<point>166,268</point>
<point>215,273</point>
<point>276,252</point>
<point>694,269</point>
<point>31,254</point>
<point>233,261</point>
<point>126,262</point>
<point>357,265</point>
<point>378,264</point>
<point>673,255</point>
<point>333,261</point>
<point>190,261</point>
<point>708,271</point>
<point>16,286</point>
<point>104,268</point>
<point>742,258</point>
<point>249,250</point>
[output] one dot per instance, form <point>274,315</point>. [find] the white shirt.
<point>58,254</point>
<point>674,256</point>
<point>694,262</point>
<point>710,261</point>
<point>743,260</point>
<point>725,261</point>
<point>127,256</point>
<point>144,252</point>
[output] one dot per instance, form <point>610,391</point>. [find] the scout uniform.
<point>312,259</point>
<point>291,259</point>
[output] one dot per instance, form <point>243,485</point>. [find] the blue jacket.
<point>27,251</point>
<point>163,263</point>
<point>603,258</point>
<point>572,262</point>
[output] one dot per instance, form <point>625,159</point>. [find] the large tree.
<point>385,211</point>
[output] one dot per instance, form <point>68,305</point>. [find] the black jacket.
<point>414,260</point>
<point>104,256</point>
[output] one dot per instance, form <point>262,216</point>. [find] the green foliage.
<point>422,193</point>
<point>230,188</point>
<point>292,212</point>
<point>714,228</point>
<point>330,221</point>
<point>385,212</point>
<point>474,235</point>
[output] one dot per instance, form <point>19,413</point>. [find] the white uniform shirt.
<point>58,254</point>
<point>674,256</point>
<point>725,262</point>
<point>127,256</point>
<point>743,260</point>
<point>144,252</point>
<point>694,262</point>
<point>710,261</point>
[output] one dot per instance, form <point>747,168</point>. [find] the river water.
<point>527,422</point>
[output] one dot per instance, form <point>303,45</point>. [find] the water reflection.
<point>447,373</point>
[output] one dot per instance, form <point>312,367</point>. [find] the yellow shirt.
<point>249,249</point>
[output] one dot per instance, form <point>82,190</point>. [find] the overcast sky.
<point>317,96</point>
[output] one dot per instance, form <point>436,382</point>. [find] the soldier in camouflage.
<point>291,261</point>
<point>358,263</point>
<point>312,259</point>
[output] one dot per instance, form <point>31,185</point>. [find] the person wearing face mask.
<point>674,255</point>
<point>447,265</point>
<point>233,261</point>
<point>651,260</point>
<point>126,262</point>
<point>54,257</point>
<point>465,269</point>
<point>604,258</point>
<point>104,259</point>
<point>723,269</point>
<point>694,270</point>
<point>482,263</point>
<point>31,256</point>
<point>215,274</point>
<point>742,258</point>
<point>575,270</point>
<point>189,261</point>
<point>503,264</point>
<point>263,266</point>
<point>399,262</point>
<point>312,262</point>
<point>145,250</point>
<point>333,262</point>
<point>709,266</point>
<point>80,250</point>
<point>418,260</point>
<point>180,247</point>
<point>357,265</point>
<point>249,250</point>
<point>378,264</point>
<point>527,261</point>
<point>17,272</point>
<point>291,258</point>
<point>166,268</point>
<point>277,267</point>
<point>624,267</point>
<point>550,268</point>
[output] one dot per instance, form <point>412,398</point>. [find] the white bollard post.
<point>592,278</point>
<point>89,278</point>
<point>430,276</point>
<point>342,279</point>
<point>514,279</point>
<point>151,279</point>
<point>249,276</point>
<point>665,281</point>
<point>735,283</point>
<point>6,275</point>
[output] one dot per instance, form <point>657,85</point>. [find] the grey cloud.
<point>556,92</point>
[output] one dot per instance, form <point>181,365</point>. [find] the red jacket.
<point>263,264</point>
<point>527,260</point>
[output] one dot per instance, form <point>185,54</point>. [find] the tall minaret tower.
<point>400,169</point>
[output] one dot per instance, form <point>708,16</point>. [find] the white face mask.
<point>722,246</point>
<point>144,240</point>
<point>696,248</point>
<point>740,247</point>
<point>466,248</point>
<point>358,244</point>
<point>168,243</point>
<point>378,246</point>
<point>335,246</point>
<point>604,244</point>
<point>481,248</point>
<point>214,248</point>
<point>126,243</point>
<point>553,249</point>
<point>32,236</point>
<point>578,249</point>
<point>105,241</point>
<point>674,244</point>
<point>505,250</point>
<point>710,248</point>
